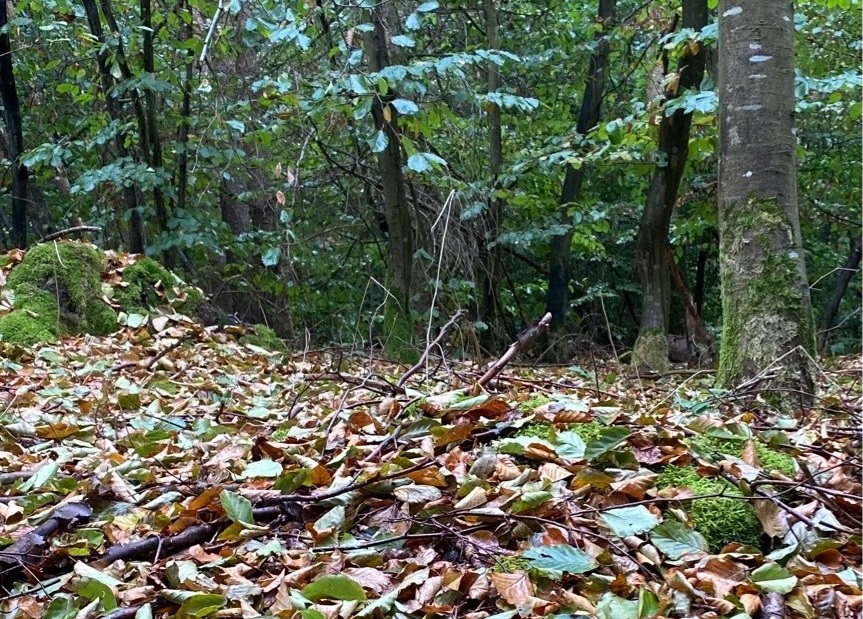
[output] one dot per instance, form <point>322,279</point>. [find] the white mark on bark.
<point>734,137</point>
<point>749,108</point>
<point>735,10</point>
<point>793,255</point>
<point>757,76</point>
<point>755,46</point>
<point>759,58</point>
<point>748,174</point>
<point>786,18</point>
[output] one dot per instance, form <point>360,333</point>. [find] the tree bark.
<point>767,312</point>
<point>651,347</point>
<point>12,118</point>
<point>846,274</point>
<point>557,298</point>
<point>397,209</point>
<point>490,257</point>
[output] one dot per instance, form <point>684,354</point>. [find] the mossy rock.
<point>58,290</point>
<point>264,337</point>
<point>720,520</point>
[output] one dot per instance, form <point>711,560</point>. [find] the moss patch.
<point>720,520</point>
<point>651,350</point>
<point>57,289</point>
<point>147,284</point>
<point>770,459</point>
<point>264,337</point>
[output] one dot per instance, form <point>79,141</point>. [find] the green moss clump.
<point>264,337</point>
<point>588,431</point>
<point>770,459</point>
<point>535,403</point>
<point>138,293</point>
<point>720,520</point>
<point>57,290</point>
<point>538,429</point>
<point>508,565</point>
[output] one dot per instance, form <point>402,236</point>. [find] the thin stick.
<point>436,342</point>
<point>522,342</point>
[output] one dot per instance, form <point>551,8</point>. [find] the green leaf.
<point>402,40</point>
<point>570,445</point>
<point>405,106</point>
<point>607,440</point>
<point>61,607</point>
<point>263,468</point>
<point>423,162</point>
<point>333,588</point>
<point>426,7</point>
<point>773,578</point>
<point>625,521</point>
<point>615,607</point>
<point>271,256</point>
<point>237,126</point>
<point>675,540</point>
<point>201,605</point>
<point>238,508</point>
<point>529,500</point>
<point>379,142</point>
<point>562,558</point>
<point>648,603</point>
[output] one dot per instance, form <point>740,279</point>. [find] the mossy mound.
<point>720,520</point>
<point>57,289</point>
<point>264,337</point>
<point>146,284</point>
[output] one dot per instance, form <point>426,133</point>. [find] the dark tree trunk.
<point>651,347</point>
<point>12,118</point>
<point>846,274</point>
<point>767,313</point>
<point>397,209</point>
<point>490,257</point>
<point>557,298</point>
<point>137,243</point>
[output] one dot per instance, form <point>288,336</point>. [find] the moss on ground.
<point>770,459</point>
<point>57,288</point>
<point>720,520</point>
<point>264,337</point>
<point>140,292</point>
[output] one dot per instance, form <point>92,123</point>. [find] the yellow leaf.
<point>388,113</point>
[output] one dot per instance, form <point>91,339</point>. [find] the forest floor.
<point>169,470</point>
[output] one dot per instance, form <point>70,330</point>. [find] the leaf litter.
<point>169,470</point>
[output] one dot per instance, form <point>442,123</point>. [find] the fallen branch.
<point>68,231</point>
<point>28,549</point>
<point>523,341</point>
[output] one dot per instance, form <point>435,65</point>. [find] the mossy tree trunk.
<point>767,313</point>
<point>557,298</point>
<point>397,209</point>
<point>651,347</point>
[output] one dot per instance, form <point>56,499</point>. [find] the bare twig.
<point>522,342</point>
<point>435,343</point>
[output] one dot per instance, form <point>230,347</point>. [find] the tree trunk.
<point>137,242</point>
<point>490,257</point>
<point>557,298</point>
<point>397,210</point>
<point>846,274</point>
<point>12,118</point>
<point>651,347</point>
<point>767,313</point>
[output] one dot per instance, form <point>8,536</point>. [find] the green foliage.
<point>264,337</point>
<point>720,520</point>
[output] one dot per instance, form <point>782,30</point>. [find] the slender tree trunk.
<point>557,298</point>
<point>397,210</point>
<point>490,257</point>
<point>137,242</point>
<point>846,274</point>
<point>155,143</point>
<point>767,313</point>
<point>185,118</point>
<point>651,347</point>
<point>15,147</point>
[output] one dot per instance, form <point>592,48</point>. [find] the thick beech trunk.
<point>651,347</point>
<point>767,314</point>
<point>557,298</point>
<point>15,146</point>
